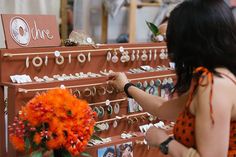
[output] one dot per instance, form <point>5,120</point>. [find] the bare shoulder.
<point>221,95</point>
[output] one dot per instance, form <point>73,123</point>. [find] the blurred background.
<point>105,21</point>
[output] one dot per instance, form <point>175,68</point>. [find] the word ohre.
<point>21,33</point>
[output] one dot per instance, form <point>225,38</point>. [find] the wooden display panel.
<point>19,94</point>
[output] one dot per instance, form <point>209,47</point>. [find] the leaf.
<point>154,29</point>
<point>27,144</point>
<point>97,129</point>
<point>86,154</point>
<point>37,154</point>
<point>95,137</point>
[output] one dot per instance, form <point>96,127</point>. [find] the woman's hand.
<point>155,136</point>
<point>118,80</point>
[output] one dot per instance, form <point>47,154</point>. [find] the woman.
<point>201,40</point>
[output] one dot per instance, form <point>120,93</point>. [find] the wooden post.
<point>132,21</point>
<point>63,29</point>
<point>104,24</point>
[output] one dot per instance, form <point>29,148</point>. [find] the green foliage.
<point>85,154</point>
<point>37,154</point>
<point>153,28</point>
<point>95,137</point>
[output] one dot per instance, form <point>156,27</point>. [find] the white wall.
<point>90,20</point>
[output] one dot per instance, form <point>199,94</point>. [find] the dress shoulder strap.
<point>200,82</point>
<point>234,81</point>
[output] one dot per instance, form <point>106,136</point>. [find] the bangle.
<point>126,87</point>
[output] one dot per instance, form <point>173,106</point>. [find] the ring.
<point>109,90</point>
<point>59,60</point>
<point>77,93</point>
<point>116,108</point>
<point>87,92</point>
<point>101,91</point>
<point>37,61</point>
<point>81,58</point>
<point>93,91</point>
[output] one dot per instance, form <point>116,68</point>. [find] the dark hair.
<point>201,33</point>
<point>109,150</point>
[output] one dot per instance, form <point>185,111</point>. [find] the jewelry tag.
<point>89,40</point>
<point>107,102</point>
<point>57,53</point>
<point>62,86</point>
<point>121,49</point>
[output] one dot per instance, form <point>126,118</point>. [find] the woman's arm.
<point>158,106</point>
<point>155,105</point>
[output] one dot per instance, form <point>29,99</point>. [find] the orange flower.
<point>37,138</point>
<point>57,118</point>
<point>18,143</point>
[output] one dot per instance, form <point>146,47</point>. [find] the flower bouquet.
<point>53,121</point>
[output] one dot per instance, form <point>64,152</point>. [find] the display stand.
<point>20,61</point>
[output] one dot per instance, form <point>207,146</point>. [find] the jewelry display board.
<point>84,71</point>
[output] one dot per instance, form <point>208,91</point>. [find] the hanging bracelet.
<point>126,87</point>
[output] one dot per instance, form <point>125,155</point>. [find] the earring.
<point>108,56</point>
<point>101,91</point>
<point>109,110</point>
<point>89,57</point>
<point>87,92</point>
<point>133,56</point>
<point>127,56</point>
<point>27,62</point>
<point>155,55</point>
<point>114,58</point>
<point>46,60</point>
<point>69,58</point>
<point>115,123</point>
<point>59,60</point>
<point>109,90</point>
<point>162,54</point>
<point>37,61</point>
<point>76,93</point>
<point>81,58</point>
<point>137,55</point>
<point>93,91</point>
<point>116,108</point>
<point>150,55</point>
<point>123,58</point>
<point>144,56</point>
<point>102,112</point>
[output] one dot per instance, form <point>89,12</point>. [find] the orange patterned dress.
<point>185,123</point>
